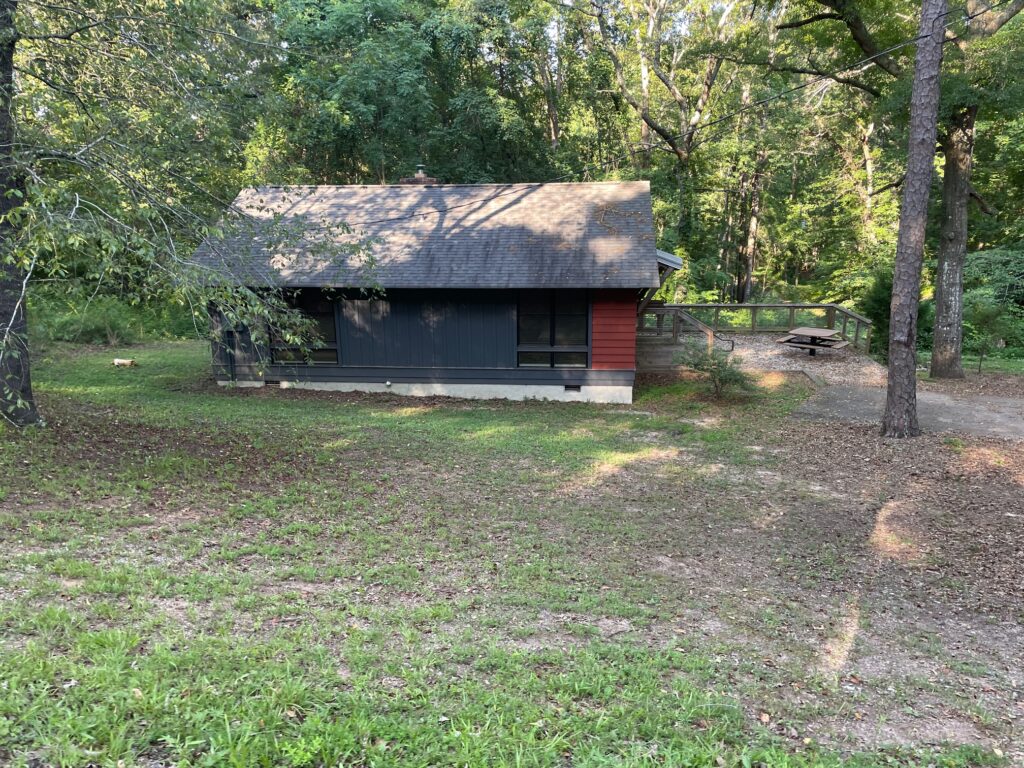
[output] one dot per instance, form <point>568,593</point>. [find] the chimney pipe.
<point>420,177</point>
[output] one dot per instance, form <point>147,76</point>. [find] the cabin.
<point>483,291</point>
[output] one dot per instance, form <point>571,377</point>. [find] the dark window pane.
<point>286,356</point>
<point>535,359</point>
<point>534,302</point>
<point>325,328</point>
<point>323,355</point>
<point>571,303</point>
<point>570,359</point>
<point>534,329</point>
<point>570,330</point>
<point>312,302</point>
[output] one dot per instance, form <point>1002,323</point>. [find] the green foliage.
<point>987,322</point>
<point>721,369</point>
<point>875,305</point>
<point>104,319</point>
<point>1000,271</point>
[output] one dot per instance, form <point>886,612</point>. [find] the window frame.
<point>551,348</point>
<point>294,302</point>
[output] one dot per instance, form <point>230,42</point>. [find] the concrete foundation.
<point>556,392</point>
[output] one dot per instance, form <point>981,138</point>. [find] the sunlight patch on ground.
<point>613,464</point>
<point>413,410</point>
<point>836,653</point>
<point>339,445</point>
<point>888,540</point>
<point>771,380</point>
<point>975,458</point>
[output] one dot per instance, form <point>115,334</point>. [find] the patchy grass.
<point>196,576</point>
<point>991,364</point>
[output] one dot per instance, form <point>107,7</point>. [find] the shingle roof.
<point>596,235</point>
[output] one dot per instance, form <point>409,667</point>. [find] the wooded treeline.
<point>773,134</point>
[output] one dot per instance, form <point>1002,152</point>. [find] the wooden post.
<point>867,340</point>
<point>792,317</point>
<point>830,317</point>
<point>856,334</point>
<point>753,319</point>
<point>714,322</point>
<point>846,320</point>
<point>675,328</point>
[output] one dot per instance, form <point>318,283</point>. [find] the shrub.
<point>721,369</point>
<point>103,319</point>
<point>987,322</point>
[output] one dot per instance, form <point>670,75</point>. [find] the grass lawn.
<point>205,577</point>
<point>997,364</point>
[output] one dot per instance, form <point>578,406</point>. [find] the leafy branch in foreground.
<point>122,136</point>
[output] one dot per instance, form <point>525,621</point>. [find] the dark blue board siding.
<point>429,329</point>
<point>329,373</point>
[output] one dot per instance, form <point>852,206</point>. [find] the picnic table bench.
<point>813,339</point>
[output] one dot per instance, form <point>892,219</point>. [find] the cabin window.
<point>552,329</point>
<point>323,350</point>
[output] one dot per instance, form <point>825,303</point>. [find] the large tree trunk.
<point>16,402</point>
<point>900,418</point>
<point>958,147</point>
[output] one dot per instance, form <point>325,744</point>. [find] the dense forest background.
<point>773,133</point>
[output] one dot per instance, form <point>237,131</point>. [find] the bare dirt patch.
<point>977,384</point>
<point>893,569</point>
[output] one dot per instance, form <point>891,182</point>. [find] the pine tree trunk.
<point>16,402</point>
<point>900,418</point>
<point>958,147</point>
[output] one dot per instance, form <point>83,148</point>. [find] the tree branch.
<point>809,20</point>
<point>984,22</point>
<point>862,36</point>
<point>620,78</point>
<point>890,185</point>
<point>837,77</point>
<point>983,205</point>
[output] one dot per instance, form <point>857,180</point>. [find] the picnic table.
<point>813,339</point>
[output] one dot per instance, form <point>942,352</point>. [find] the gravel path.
<point>987,416</point>
<point>843,366</point>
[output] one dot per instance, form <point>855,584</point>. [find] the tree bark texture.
<point>958,147</point>
<point>17,404</point>
<point>900,418</point>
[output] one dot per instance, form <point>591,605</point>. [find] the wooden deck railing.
<point>669,322</point>
<point>772,318</point>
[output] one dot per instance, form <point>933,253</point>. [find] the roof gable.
<point>594,235</point>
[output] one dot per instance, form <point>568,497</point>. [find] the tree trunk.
<point>750,249</point>
<point>900,418</point>
<point>958,147</point>
<point>867,215</point>
<point>644,158</point>
<point>16,402</point>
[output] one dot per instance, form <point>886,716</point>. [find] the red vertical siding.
<point>613,332</point>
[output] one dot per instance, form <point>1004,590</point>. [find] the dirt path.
<point>985,416</point>
<point>853,391</point>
